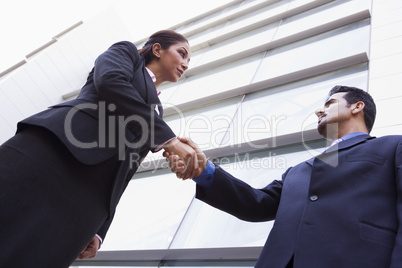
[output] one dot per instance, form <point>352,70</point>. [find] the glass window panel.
<point>265,114</point>
<point>324,48</point>
<point>298,3</point>
<point>206,35</point>
<point>256,16</point>
<point>240,22</point>
<point>387,110</point>
<point>229,11</point>
<point>166,92</point>
<point>322,14</point>
<point>149,212</point>
<point>289,108</point>
<point>217,80</point>
<point>211,18</point>
<point>14,102</point>
<point>250,3</point>
<point>378,85</point>
<point>207,227</point>
<point>7,130</point>
<point>239,44</point>
<point>197,55</point>
<point>206,126</point>
<point>389,130</point>
<point>10,111</point>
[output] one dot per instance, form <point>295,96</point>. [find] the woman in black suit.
<point>65,170</point>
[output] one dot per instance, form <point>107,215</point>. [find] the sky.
<point>26,25</point>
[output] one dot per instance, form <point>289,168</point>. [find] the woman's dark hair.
<point>354,95</point>
<point>165,38</point>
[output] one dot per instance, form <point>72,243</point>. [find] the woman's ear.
<point>358,107</point>
<point>156,50</point>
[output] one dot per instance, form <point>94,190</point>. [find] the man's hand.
<point>178,165</point>
<point>91,250</point>
<point>186,154</point>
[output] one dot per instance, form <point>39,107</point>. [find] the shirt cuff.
<point>100,239</point>
<point>207,176</point>
<point>163,144</point>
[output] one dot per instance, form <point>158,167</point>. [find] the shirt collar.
<point>151,74</point>
<point>352,135</point>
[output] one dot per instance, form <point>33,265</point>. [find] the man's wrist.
<point>208,172</point>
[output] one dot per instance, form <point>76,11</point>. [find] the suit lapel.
<point>348,143</point>
<point>152,95</point>
<point>341,146</point>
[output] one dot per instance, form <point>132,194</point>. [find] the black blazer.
<point>340,209</point>
<point>117,114</point>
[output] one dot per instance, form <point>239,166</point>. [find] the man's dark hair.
<point>354,95</point>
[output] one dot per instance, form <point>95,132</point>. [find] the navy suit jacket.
<point>342,208</point>
<point>113,116</point>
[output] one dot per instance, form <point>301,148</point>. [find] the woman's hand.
<point>91,250</point>
<point>180,166</point>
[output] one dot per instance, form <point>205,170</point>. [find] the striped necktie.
<point>336,141</point>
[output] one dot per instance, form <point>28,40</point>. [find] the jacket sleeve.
<point>239,199</point>
<point>105,227</point>
<point>396,260</point>
<point>114,75</point>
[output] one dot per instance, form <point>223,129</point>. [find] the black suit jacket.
<point>340,209</point>
<point>117,114</point>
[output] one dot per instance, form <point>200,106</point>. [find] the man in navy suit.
<point>342,208</point>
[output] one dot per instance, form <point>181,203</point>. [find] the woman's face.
<point>173,62</point>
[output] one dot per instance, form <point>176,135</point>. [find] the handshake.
<point>185,158</point>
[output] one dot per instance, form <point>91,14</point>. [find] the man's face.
<point>333,116</point>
